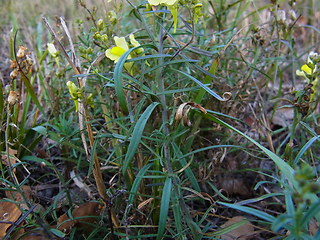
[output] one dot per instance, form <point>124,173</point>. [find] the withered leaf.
<point>9,212</point>
<point>81,216</point>
<point>183,110</point>
<point>243,232</point>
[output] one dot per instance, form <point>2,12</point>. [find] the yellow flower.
<point>309,71</point>
<point>172,5</point>
<point>305,70</point>
<point>52,50</point>
<point>116,52</point>
<point>74,92</point>
<point>121,47</point>
<point>54,53</point>
<point>135,43</point>
<point>158,2</point>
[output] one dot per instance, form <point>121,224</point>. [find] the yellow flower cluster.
<point>121,47</point>
<point>310,72</point>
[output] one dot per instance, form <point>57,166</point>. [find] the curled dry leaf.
<point>183,110</point>
<point>82,216</point>
<point>9,212</point>
<point>243,232</point>
<point>226,96</point>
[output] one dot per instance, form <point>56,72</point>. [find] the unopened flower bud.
<point>292,15</point>
<point>100,24</point>
<point>52,50</point>
<point>281,16</point>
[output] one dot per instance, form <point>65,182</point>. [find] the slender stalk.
<point>101,187</point>
<point>163,101</point>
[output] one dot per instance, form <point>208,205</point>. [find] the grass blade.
<point>117,75</point>
<point>285,168</point>
<point>204,86</point>
<point>164,207</point>
<point>136,183</point>
<point>252,211</point>
<point>137,135</point>
<point>305,148</point>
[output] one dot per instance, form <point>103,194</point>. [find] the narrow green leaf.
<point>289,203</point>
<point>252,211</point>
<point>164,207</point>
<point>57,232</point>
<point>229,228</point>
<point>204,86</point>
<point>137,135</point>
<point>136,183</point>
<point>1,100</point>
<point>177,213</point>
<point>117,75</point>
<point>40,129</point>
<point>305,148</point>
<point>33,96</point>
<point>312,212</point>
<point>285,168</point>
<point>207,79</point>
<point>37,160</point>
<point>118,81</point>
<point>149,57</point>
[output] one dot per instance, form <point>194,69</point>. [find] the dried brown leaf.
<point>243,232</point>
<point>183,110</point>
<point>9,212</point>
<point>82,216</point>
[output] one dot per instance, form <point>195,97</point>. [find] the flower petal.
<point>133,41</point>
<point>52,50</point>
<point>121,42</point>
<point>155,2</point>
<point>306,69</point>
<point>111,56</point>
<point>300,73</point>
<point>170,2</point>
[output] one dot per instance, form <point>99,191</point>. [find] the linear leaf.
<point>252,211</point>
<point>117,75</point>
<point>204,86</point>
<point>285,168</point>
<point>305,148</point>
<point>136,183</point>
<point>164,207</point>
<point>137,135</point>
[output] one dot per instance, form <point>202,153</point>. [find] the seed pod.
<point>12,98</point>
<point>22,52</point>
